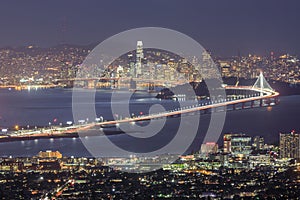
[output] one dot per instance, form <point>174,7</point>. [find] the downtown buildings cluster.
<point>34,65</point>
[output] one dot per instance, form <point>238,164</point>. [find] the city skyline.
<point>149,99</point>
<point>226,28</point>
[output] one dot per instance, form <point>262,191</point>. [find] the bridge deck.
<point>268,94</point>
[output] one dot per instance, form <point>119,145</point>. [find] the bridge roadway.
<point>76,128</point>
<point>268,94</point>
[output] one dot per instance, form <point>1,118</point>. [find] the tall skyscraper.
<point>290,145</point>
<point>131,70</point>
<point>139,57</point>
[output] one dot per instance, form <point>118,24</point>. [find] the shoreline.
<point>63,135</point>
<point>23,138</point>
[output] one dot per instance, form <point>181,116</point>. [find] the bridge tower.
<point>262,84</point>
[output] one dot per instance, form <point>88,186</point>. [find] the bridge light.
<point>97,119</point>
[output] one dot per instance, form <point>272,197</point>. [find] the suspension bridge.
<point>261,92</point>
<point>258,95</point>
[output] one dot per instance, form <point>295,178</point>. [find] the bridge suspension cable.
<point>262,84</point>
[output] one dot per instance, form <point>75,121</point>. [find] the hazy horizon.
<point>225,28</point>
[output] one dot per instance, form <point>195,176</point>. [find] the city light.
<point>88,112</point>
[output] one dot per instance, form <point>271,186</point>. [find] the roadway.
<point>219,103</point>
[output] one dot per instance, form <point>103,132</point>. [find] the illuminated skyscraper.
<point>131,66</point>
<point>290,145</point>
<point>139,57</point>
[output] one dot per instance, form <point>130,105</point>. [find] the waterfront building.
<point>50,154</point>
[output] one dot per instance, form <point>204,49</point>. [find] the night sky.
<point>224,27</point>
